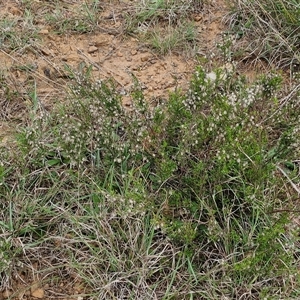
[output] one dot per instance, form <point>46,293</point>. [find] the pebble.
<point>145,58</point>
<point>45,51</point>
<point>38,293</point>
<point>70,57</point>
<point>92,49</point>
<point>44,31</point>
<point>101,40</point>
<point>197,18</point>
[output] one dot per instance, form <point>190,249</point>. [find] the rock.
<point>133,39</point>
<point>47,72</point>
<point>145,58</point>
<point>45,51</point>
<point>70,57</point>
<point>197,18</point>
<point>38,293</point>
<point>92,49</point>
<point>133,52</point>
<point>44,31</point>
<point>101,40</point>
<point>136,68</point>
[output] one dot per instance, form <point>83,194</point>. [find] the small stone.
<point>133,52</point>
<point>133,40</point>
<point>197,18</point>
<point>47,72</point>
<point>92,49</point>
<point>38,293</point>
<point>136,68</point>
<point>144,58</point>
<point>70,57</point>
<point>101,40</point>
<point>44,31</point>
<point>45,51</point>
<point>120,54</point>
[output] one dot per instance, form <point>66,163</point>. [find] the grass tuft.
<point>268,30</point>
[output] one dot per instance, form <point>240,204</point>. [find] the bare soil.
<point>112,54</point>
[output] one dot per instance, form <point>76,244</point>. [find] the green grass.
<point>18,33</point>
<point>165,25</point>
<point>180,39</point>
<point>174,202</point>
<point>81,19</point>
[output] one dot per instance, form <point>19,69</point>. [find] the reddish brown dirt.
<point>108,50</point>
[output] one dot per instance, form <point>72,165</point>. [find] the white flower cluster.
<point>97,121</point>
<point>119,206</point>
